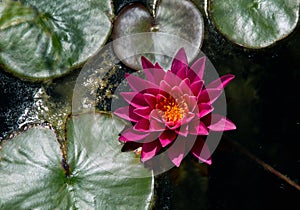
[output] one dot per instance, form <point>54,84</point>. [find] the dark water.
<point>263,103</point>
<point>15,97</point>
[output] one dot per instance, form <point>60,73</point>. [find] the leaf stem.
<point>266,166</point>
<point>66,167</point>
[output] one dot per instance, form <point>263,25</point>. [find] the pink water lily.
<point>173,109</point>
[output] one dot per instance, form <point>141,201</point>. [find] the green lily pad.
<point>99,177</point>
<point>172,24</point>
<point>42,40</point>
<point>255,23</point>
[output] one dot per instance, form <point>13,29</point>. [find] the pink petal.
<point>132,135</point>
<point>143,112</point>
<point>198,68</point>
<point>177,151</point>
<point>185,82</point>
<point>198,128</point>
<point>149,150</point>
<point>154,73</point>
<point>150,99</point>
<point>209,95</point>
<point>155,115</point>
<point>167,137</point>
<point>156,65</point>
<point>188,118</point>
<point>172,125</point>
<point>221,82</point>
<point>196,87</point>
<point>127,114</point>
<point>201,151</point>
<point>138,85</point>
<point>160,98</point>
<point>179,62</point>
<point>146,64</point>
<point>172,79</point>
<point>220,123</point>
<point>153,91</point>
<point>204,109</point>
<point>153,136</point>
<point>181,73</point>
<point>193,77</point>
<point>183,131</point>
<point>155,125</point>
<point>134,98</point>
<point>185,86</point>
<point>191,102</point>
<point>142,125</point>
<point>150,75</point>
<point>165,86</point>
<point>176,92</point>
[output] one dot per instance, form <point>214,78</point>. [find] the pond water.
<point>262,101</point>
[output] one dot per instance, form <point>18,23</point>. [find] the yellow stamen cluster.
<point>172,110</point>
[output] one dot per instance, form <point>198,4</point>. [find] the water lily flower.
<point>173,109</point>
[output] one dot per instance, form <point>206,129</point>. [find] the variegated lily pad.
<point>41,40</point>
<point>94,174</point>
<point>255,23</point>
<point>171,25</point>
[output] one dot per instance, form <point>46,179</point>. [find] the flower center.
<point>172,110</point>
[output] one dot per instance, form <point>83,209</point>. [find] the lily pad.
<point>171,25</point>
<point>255,23</point>
<point>44,40</point>
<point>95,175</point>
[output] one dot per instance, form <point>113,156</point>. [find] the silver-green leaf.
<point>42,40</point>
<point>33,175</point>
<point>255,23</point>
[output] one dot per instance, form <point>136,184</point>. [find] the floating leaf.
<point>43,40</point>
<point>158,36</point>
<point>30,171</point>
<point>255,23</point>
<point>101,177</point>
